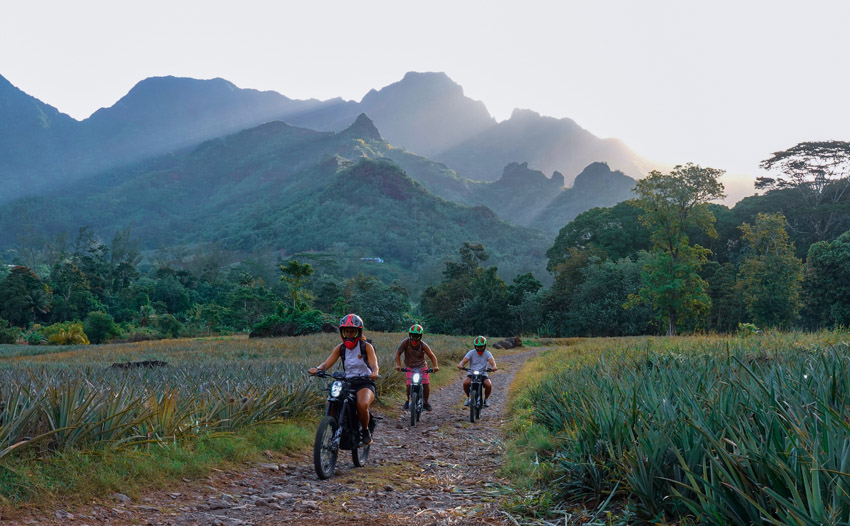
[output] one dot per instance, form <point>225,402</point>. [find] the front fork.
<point>418,389</point>
<point>330,410</point>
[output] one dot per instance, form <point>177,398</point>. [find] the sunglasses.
<point>415,336</point>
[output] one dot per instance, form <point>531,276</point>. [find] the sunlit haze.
<point>722,84</point>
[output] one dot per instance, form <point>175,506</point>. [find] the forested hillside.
<point>344,234</point>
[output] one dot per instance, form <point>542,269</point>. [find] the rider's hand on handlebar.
<point>313,370</point>
<point>436,368</point>
<point>398,368</point>
<point>373,376</point>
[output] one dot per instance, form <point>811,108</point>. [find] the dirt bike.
<point>340,428</point>
<point>417,400</point>
<point>476,392</point>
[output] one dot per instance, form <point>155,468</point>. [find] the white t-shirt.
<point>478,362</point>
<point>355,363</point>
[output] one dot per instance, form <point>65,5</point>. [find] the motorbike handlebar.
<point>428,370</point>
<point>486,370</point>
<point>341,376</point>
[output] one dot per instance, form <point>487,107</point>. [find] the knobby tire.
<point>324,456</point>
<point>414,407</point>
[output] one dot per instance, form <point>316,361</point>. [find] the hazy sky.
<point>722,84</point>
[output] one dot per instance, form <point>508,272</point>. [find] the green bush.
<point>100,327</point>
<point>66,333</point>
<point>168,325</point>
<point>290,322</point>
<point>7,334</point>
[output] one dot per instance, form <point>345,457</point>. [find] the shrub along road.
<point>444,471</point>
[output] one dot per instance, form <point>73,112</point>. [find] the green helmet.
<point>480,341</point>
<point>416,329</point>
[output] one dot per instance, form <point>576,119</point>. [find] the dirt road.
<point>444,471</point>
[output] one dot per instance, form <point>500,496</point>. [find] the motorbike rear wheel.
<point>324,451</point>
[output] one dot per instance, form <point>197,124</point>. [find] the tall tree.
<point>827,283</point>
<point>382,307</point>
<point>23,297</point>
<point>470,299</point>
<point>674,204</point>
<point>820,173</point>
<point>771,274</point>
<point>295,276</point>
<point>613,232</point>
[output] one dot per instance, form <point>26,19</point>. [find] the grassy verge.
<point>77,476</point>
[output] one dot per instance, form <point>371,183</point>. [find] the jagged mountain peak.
<point>520,172</point>
<point>524,113</point>
<point>363,127</point>
<point>597,172</point>
<point>429,85</point>
<point>558,177</point>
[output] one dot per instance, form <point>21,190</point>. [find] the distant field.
<point>708,430</point>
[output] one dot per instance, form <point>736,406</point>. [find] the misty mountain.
<point>424,113</point>
<point>33,136</point>
<point>277,187</point>
<point>520,193</point>
<point>596,186</point>
<point>546,143</point>
<point>162,114</point>
<point>41,148</point>
<point>528,198</point>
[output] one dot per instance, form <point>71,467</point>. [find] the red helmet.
<point>351,320</point>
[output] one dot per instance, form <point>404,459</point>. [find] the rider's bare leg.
<point>488,386</point>
<point>365,397</point>
<point>466,384</point>
<point>427,391</point>
<point>408,391</point>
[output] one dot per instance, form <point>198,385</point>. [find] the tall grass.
<point>712,430</point>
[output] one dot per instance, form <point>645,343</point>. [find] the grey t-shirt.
<point>478,363</point>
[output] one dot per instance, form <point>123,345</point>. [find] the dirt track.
<point>442,472</point>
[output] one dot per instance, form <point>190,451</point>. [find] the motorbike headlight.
<point>416,377</point>
<point>336,388</point>
<point>476,372</point>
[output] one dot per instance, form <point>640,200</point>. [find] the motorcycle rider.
<point>358,359</point>
<point>415,350</point>
<point>479,358</point>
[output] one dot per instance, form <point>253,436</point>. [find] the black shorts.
<point>359,384</point>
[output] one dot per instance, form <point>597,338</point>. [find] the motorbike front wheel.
<point>414,407</point>
<point>473,403</point>
<point>324,451</point>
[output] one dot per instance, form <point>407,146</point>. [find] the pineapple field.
<point>748,429</point>
<point>65,410</point>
